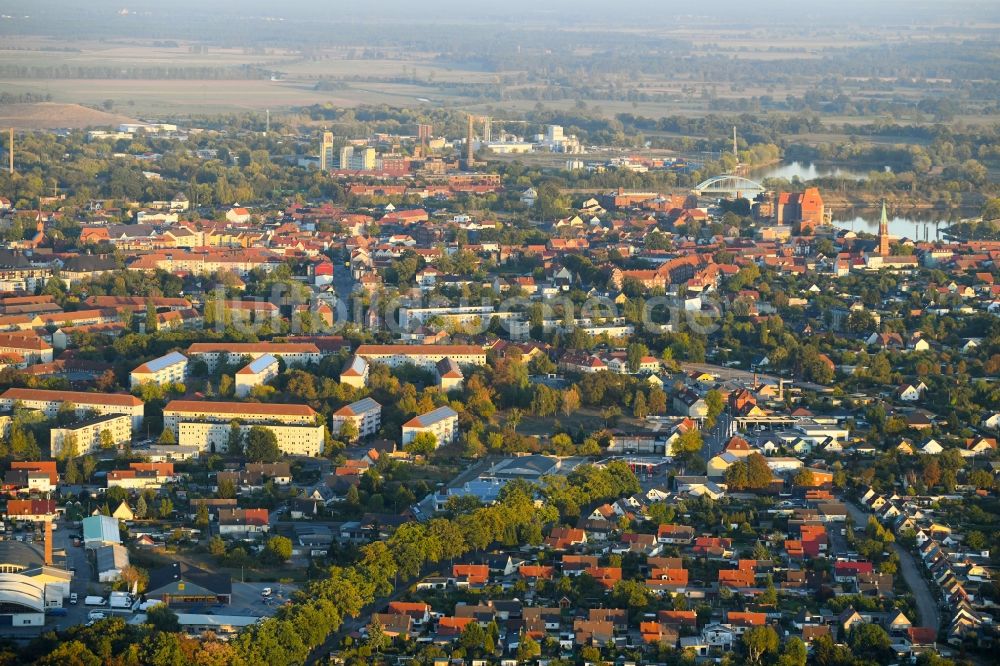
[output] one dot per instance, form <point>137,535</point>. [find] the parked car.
<point>96,615</point>
<point>266,592</point>
<point>73,598</point>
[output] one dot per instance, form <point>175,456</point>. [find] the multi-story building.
<point>256,373</point>
<point>292,353</point>
<point>88,434</point>
<point>366,414</point>
<point>441,422</point>
<point>207,425</point>
<point>326,152</point>
<point>205,261</point>
<point>27,345</point>
<point>168,369</point>
<point>49,402</point>
<point>355,372</point>
<point>424,356</point>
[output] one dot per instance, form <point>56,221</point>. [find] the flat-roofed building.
<point>50,401</point>
<point>256,373</point>
<point>424,356</point>
<point>87,434</point>
<point>168,369</point>
<point>355,372</point>
<point>206,425</point>
<point>441,422</point>
<point>292,353</point>
<point>366,414</point>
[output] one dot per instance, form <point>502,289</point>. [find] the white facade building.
<point>258,372</point>
<point>441,422</point>
<point>168,369</point>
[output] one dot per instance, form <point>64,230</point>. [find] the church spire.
<point>883,233</point>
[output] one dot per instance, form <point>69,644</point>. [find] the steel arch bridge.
<point>729,184</point>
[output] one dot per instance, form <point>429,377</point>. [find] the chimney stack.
<point>48,543</point>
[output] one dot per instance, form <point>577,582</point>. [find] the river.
<point>913,224</point>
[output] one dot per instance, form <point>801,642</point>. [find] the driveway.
<point>927,605</point>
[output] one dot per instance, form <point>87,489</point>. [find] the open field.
<point>47,115</point>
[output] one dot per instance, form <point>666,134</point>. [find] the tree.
<point>804,478</point>
<point>278,549</point>
<point>262,445</point>
<point>69,448</point>
<point>72,472</point>
<point>167,437</point>
<point>639,408</point>
<point>163,618</point>
<point>134,578</point>
<point>423,444</point>
<point>151,321</point>
<point>201,516</point>
<point>348,431</point>
<point>234,443</point>
<point>975,540</point>
<point>689,442</point>
<point>226,489</point>
<point>66,414</point>
<point>634,354</point>
<point>107,440</point>
<point>166,508</point>
<point>216,546</point>
<point>715,404</point>
<point>141,508</point>
<point>87,467</point>
<point>980,478</point>
<point>528,649</point>
<point>759,474</point>
<point>377,641</point>
<point>116,495</point>
<point>23,445</point>
<point>794,654</point>
<point>869,641</point>
<point>570,401</point>
<point>758,641</point>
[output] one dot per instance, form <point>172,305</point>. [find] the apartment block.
<point>366,414</point>
<point>27,346</point>
<point>50,401</point>
<point>424,356</point>
<point>355,372</point>
<point>441,422</point>
<point>168,369</point>
<point>206,425</point>
<point>88,433</point>
<point>293,353</point>
<point>256,373</point>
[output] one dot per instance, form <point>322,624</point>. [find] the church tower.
<point>883,233</point>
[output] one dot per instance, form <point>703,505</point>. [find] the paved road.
<point>926,602</point>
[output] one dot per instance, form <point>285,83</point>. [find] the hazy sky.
<point>642,12</point>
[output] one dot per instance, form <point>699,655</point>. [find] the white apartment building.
<point>365,413</point>
<point>88,433</point>
<point>293,353</point>
<point>258,372</point>
<point>168,369</point>
<point>424,356</point>
<point>293,440</point>
<point>206,425</point>
<point>50,401</point>
<point>355,372</point>
<point>441,422</point>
